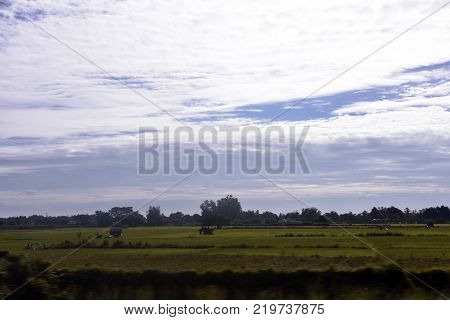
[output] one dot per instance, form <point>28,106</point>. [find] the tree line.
<point>228,211</point>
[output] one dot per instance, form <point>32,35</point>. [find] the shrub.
<point>380,234</point>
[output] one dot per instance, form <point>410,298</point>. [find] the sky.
<point>79,78</point>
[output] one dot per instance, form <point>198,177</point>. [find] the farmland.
<point>281,249</point>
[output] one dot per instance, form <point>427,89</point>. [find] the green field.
<point>174,249</point>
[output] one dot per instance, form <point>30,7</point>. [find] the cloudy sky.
<point>78,79</point>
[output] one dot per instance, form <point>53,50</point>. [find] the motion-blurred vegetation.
<point>386,283</point>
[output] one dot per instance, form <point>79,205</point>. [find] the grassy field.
<point>174,249</point>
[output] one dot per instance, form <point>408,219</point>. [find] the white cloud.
<point>220,54</point>
<point>202,58</point>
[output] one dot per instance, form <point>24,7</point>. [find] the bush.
<point>290,235</point>
<point>380,234</point>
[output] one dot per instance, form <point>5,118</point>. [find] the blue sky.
<point>379,135</point>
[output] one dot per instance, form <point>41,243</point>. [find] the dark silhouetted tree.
<point>209,213</point>
<point>226,210</point>
<point>229,208</point>
<point>134,220</point>
<point>310,215</point>
<point>154,216</point>
<point>176,218</point>
<point>269,218</point>
<point>103,219</point>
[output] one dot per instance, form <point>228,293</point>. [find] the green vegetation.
<point>176,249</point>
<point>386,283</point>
<point>233,263</point>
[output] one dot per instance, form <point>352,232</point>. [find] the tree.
<point>103,219</point>
<point>226,210</point>
<point>154,216</point>
<point>332,217</point>
<point>310,214</point>
<point>209,213</point>
<point>126,216</point>
<point>84,220</point>
<point>436,215</point>
<point>290,216</point>
<point>229,208</point>
<point>394,214</point>
<point>134,220</point>
<point>176,218</point>
<point>269,218</point>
